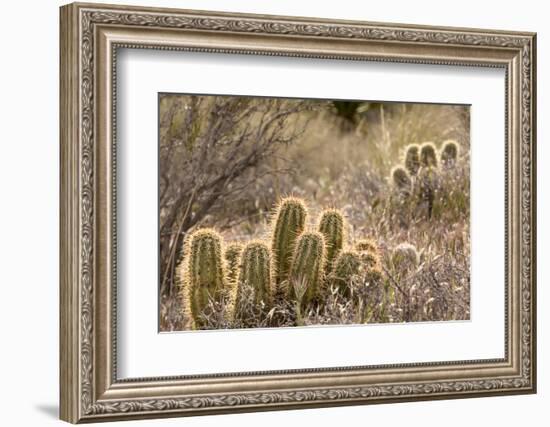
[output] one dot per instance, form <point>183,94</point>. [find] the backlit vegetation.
<point>277,212</point>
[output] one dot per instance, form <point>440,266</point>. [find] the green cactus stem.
<point>370,259</point>
<point>427,183</point>
<point>449,154</point>
<point>255,271</point>
<point>372,266</point>
<point>401,179</point>
<point>412,159</point>
<point>307,267</point>
<point>331,226</point>
<point>232,255</point>
<point>202,273</point>
<point>289,222</point>
<point>348,266</point>
<point>428,155</point>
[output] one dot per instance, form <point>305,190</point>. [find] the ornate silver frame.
<point>90,36</point>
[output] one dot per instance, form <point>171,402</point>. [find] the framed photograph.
<point>266,213</point>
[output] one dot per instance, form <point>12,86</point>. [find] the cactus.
<point>255,271</point>
<point>372,265</point>
<point>370,259</point>
<point>202,273</point>
<point>427,182</point>
<point>449,154</point>
<point>401,179</point>
<point>290,219</point>
<point>405,257</point>
<point>232,257</point>
<point>331,226</point>
<point>412,159</point>
<point>307,266</point>
<point>428,157</point>
<point>366,245</point>
<point>347,266</point>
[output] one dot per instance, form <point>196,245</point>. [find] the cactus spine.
<point>428,157</point>
<point>307,266</point>
<point>255,271</point>
<point>331,226</point>
<point>348,266</point>
<point>401,179</point>
<point>232,257</point>
<point>412,159</point>
<point>449,154</point>
<point>202,273</point>
<point>290,219</point>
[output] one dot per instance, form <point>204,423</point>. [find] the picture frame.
<point>90,38</point>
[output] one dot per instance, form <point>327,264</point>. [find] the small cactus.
<point>401,179</point>
<point>202,273</point>
<point>405,257</point>
<point>255,271</point>
<point>412,159</point>
<point>232,257</point>
<point>331,226</point>
<point>347,266</point>
<point>427,183</point>
<point>428,157</point>
<point>290,220</point>
<point>372,266</point>
<point>370,259</point>
<point>449,154</point>
<point>307,266</point>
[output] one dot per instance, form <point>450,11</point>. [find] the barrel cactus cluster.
<point>299,264</point>
<point>419,175</point>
